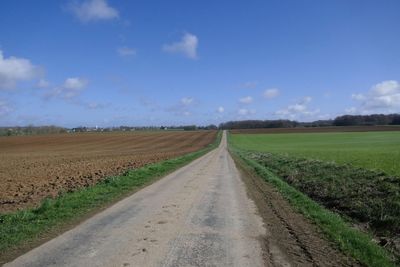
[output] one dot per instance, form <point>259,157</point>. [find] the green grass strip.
<point>28,225</point>
<point>352,242</point>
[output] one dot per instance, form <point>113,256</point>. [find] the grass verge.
<point>351,241</point>
<point>365,197</point>
<point>27,226</point>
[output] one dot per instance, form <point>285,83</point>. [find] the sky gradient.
<point>110,63</point>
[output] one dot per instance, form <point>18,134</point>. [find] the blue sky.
<point>109,62</point>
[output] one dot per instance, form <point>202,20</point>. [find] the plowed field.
<point>34,167</point>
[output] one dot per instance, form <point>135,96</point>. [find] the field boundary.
<point>350,241</point>
<point>23,230</point>
<point>326,129</point>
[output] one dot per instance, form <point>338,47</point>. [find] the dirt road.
<point>199,215</point>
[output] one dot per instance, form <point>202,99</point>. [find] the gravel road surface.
<point>200,215</point>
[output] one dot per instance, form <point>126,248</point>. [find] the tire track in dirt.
<point>291,239</point>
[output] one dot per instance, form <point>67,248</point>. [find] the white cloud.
<point>245,112</point>
<point>186,46</point>
<point>246,100</point>
<point>93,10</point>
<point>351,110</point>
<point>71,88</point>
<point>386,88</point>
<point>271,93</point>
<point>126,51</point>
<point>13,70</point>
<point>186,101</point>
<point>220,109</point>
<point>382,97</point>
<point>297,110</point>
<point>43,84</point>
<point>183,107</point>
<point>5,108</point>
<point>358,96</point>
<point>75,83</point>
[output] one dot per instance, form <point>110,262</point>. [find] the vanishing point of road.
<point>200,215</point>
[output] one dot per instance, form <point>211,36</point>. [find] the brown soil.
<point>291,239</point>
<point>35,167</point>
<point>317,129</point>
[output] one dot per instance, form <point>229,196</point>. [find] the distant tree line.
<point>362,120</point>
<point>81,129</point>
<point>346,120</point>
<point>190,127</point>
<point>31,130</point>
<point>254,124</point>
<point>34,130</point>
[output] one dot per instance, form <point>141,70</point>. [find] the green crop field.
<point>370,150</point>
<point>352,174</point>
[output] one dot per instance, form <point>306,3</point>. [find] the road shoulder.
<point>291,239</point>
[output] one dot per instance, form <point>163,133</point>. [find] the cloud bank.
<point>382,97</point>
